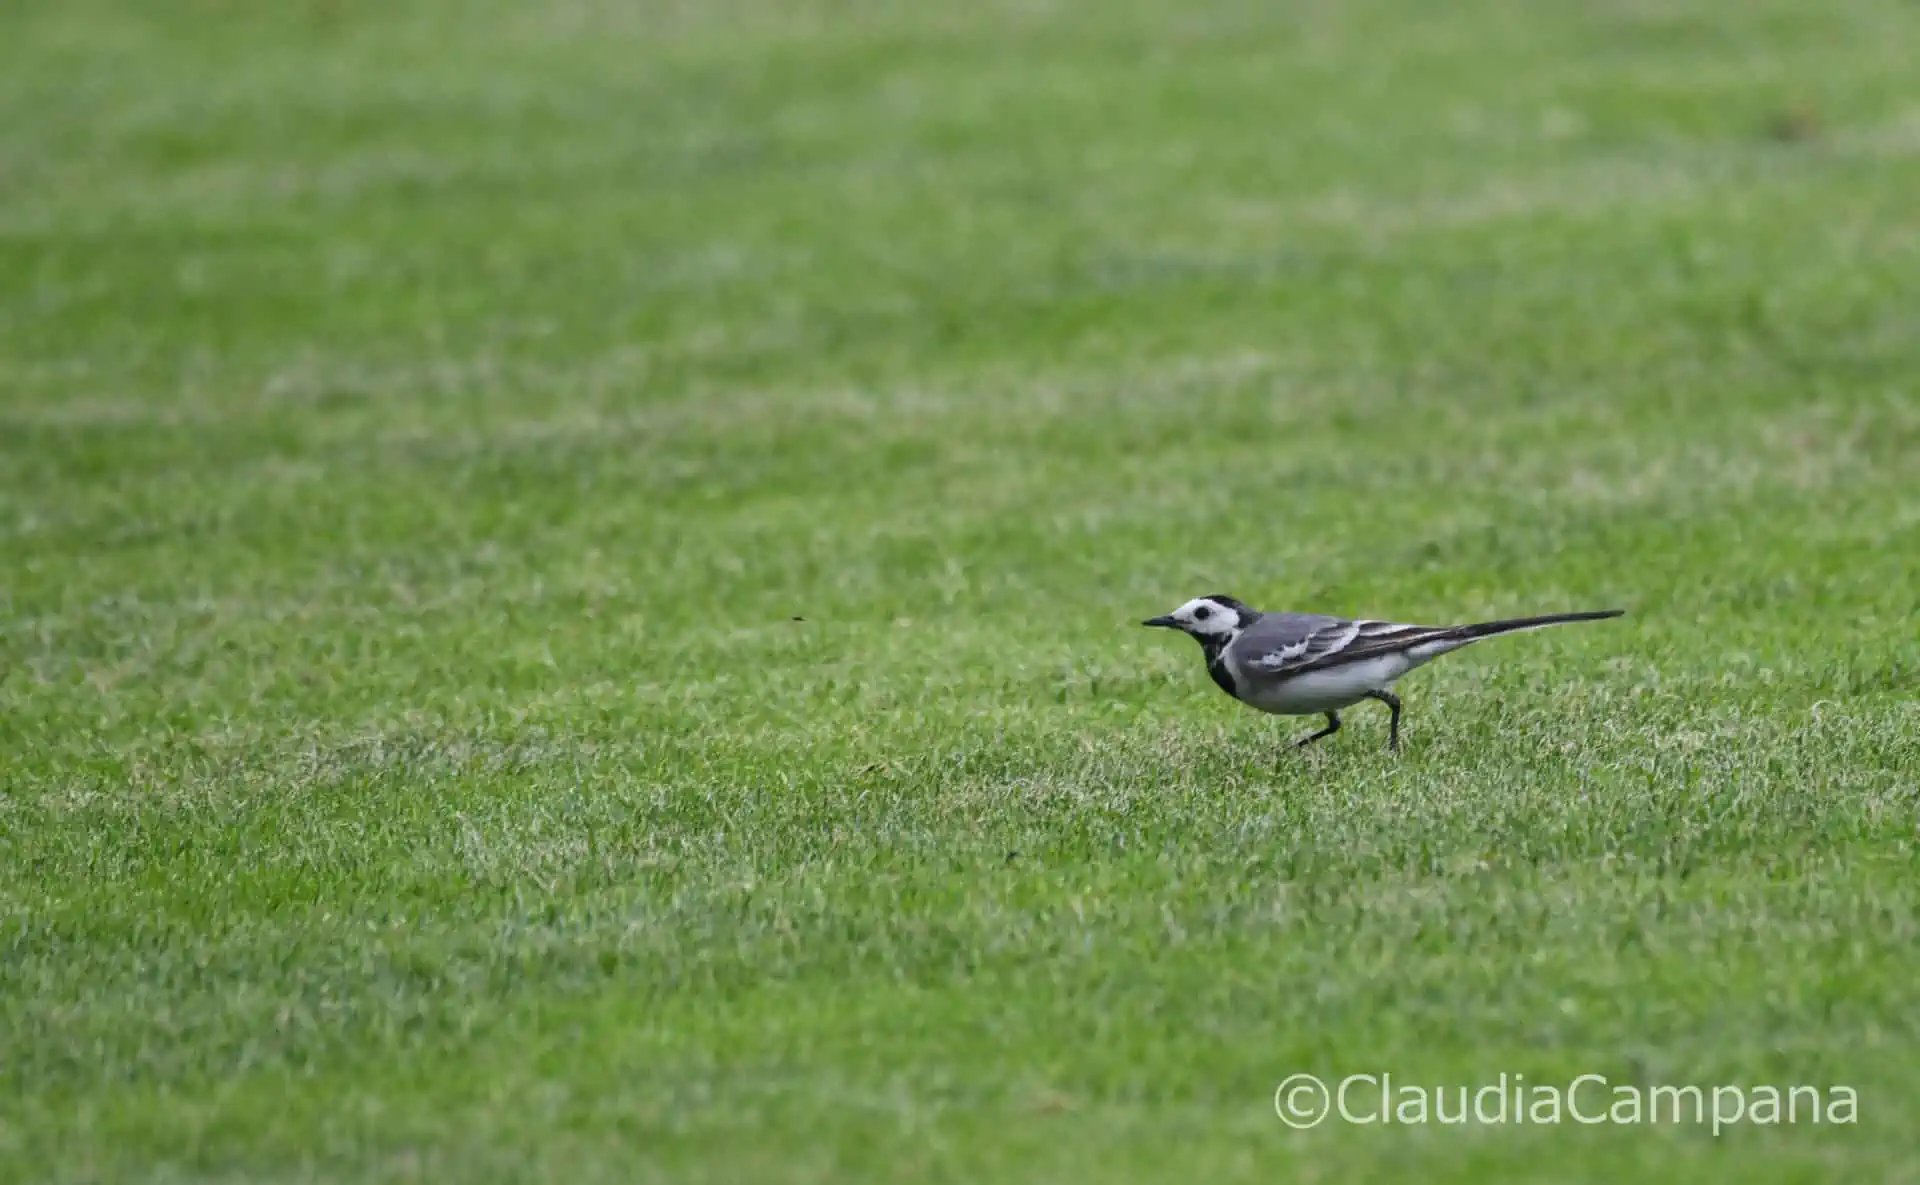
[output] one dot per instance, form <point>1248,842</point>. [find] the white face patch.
<point>1207,619</point>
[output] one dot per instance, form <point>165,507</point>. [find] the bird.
<point>1307,664</point>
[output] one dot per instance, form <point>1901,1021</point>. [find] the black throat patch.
<point>1215,650</point>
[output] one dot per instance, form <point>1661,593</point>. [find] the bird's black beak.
<point>1165,623</point>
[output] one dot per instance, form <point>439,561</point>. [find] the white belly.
<point>1322,691</point>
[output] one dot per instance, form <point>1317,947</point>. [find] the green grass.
<point>423,426</point>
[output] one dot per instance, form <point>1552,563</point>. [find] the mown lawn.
<point>569,581</point>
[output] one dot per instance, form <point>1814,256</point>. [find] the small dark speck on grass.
<point>1793,125</point>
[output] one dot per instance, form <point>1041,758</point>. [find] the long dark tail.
<point>1487,629</point>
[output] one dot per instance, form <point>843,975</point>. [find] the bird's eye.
<point>1202,613</point>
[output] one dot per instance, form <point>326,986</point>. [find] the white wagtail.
<point>1303,664</point>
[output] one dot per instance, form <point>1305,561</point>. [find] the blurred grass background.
<point>422,424</point>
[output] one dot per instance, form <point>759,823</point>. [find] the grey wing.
<point>1291,643</point>
<point>1282,642</point>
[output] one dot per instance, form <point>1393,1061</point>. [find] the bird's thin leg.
<point>1333,726</point>
<point>1393,725</point>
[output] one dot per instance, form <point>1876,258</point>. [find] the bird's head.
<point>1214,619</point>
